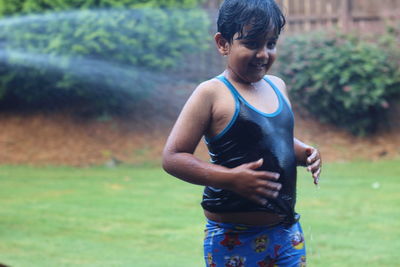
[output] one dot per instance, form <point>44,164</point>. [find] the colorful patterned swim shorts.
<point>236,245</point>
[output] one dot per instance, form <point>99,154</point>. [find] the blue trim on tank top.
<point>280,95</point>
<point>235,115</point>
<point>237,96</point>
<point>277,93</point>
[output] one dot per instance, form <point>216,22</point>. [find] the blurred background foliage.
<point>344,79</point>
<point>106,55</point>
<point>8,7</point>
<point>109,55</point>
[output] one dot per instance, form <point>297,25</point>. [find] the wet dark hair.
<point>262,17</point>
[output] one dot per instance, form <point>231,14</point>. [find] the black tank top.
<point>249,136</point>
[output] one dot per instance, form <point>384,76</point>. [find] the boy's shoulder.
<point>279,83</point>
<point>209,88</point>
<point>210,84</point>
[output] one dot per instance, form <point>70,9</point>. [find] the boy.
<point>245,116</point>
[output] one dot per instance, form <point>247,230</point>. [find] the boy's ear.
<point>222,44</point>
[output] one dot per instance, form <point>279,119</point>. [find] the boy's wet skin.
<point>224,106</point>
<point>261,96</point>
<point>213,107</point>
<point>248,59</point>
<point>247,122</point>
<point>248,62</point>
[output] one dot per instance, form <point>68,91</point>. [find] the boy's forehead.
<point>265,35</point>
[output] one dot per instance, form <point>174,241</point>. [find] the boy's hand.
<point>253,184</point>
<point>314,163</point>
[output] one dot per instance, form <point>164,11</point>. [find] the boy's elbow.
<point>165,164</point>
<point>166,161</point>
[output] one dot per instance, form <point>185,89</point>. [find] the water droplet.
<point>375,185</point>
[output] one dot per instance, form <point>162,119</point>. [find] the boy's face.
<point>250,59</point>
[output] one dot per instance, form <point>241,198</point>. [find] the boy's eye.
<point>252,45</point>
<point>271,45</point>
<point>255,45</point>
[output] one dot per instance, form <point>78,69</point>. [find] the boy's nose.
<point>262,53</point>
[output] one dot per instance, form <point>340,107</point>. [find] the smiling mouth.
<point>259,65</point>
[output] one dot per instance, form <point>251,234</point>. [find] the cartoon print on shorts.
<point>241,228</point>
<point>234,261</point>
<point>269,261</point>
<point>260,243</point>
<point>231,240</point>
<point>303,261</point>
<point>210,262</point>
<point>298,240</point>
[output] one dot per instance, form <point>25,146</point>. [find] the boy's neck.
<point>233,77</point>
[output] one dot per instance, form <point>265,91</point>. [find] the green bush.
<point>341,79</point>
<point>102,56</point>
<point>8,7</point>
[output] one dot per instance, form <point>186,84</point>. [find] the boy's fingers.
<point>270,185</point>
<point>311,158</point>
<point>265,193</point>
<point>259,200</point>
<point>313,167</point>
<point>267,190</point>
<point>316,176</point>
<point>269,175</point>
<point>255,164</point>
<point>317,173</point>
<point>309,151</point>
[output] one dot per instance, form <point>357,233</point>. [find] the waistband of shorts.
<point>241,227</point>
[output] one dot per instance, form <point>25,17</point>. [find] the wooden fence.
<point>308,15</point>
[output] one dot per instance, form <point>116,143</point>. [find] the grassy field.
<point>132,216</point>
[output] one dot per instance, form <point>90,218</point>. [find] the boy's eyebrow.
<point>272,38</point>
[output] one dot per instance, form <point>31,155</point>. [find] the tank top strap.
<point>277,92</point>
<point>236,94</point>
<point>236,98</point>
<point>230,86</point>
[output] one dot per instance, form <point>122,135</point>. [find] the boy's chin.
<point>252,76</point>
<point>255,77</point>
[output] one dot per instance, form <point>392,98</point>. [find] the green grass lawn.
<point>132,216</point>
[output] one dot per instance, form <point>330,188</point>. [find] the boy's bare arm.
<point>179,161</point>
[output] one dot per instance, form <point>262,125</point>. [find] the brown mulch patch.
<point>338,145</point>
<point>61,139</point>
